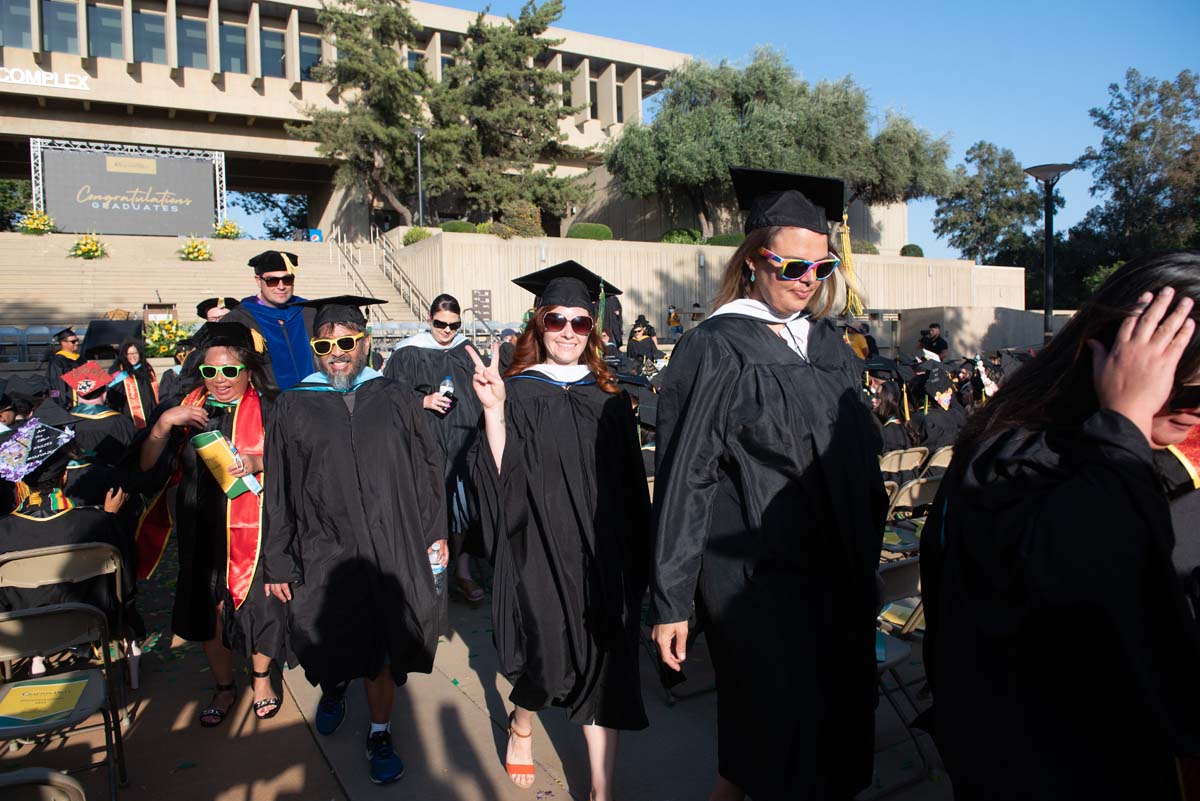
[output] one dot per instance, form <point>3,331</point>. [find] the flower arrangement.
<point>161,337</point>
<point>227,230</point>
<point>35,222</point>
<point>195,250</point>
<point>88,246</point>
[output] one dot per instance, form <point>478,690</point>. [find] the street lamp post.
<point>1047,175</point>
<point>420,131</point>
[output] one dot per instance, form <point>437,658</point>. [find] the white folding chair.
<point>939,460</point>
<point>39,784</point>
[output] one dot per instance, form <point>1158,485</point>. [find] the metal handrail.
<point>401,281</point>
<point>476,320</point>
<point>348,257</point>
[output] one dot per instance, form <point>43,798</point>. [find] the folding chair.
<point>49,630</point>
<point>903,461</point>
<point>39,784</point>
<point>12,344</point>
<point>904,536</point>
<point>70,564</point>
<point>940,460</point>
<point>890,488</point>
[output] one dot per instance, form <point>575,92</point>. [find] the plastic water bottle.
<point>435,565</point>
<point>447,387</point>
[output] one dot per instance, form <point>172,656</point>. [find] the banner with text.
<point>106,193</point>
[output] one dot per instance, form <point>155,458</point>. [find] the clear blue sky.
<point>1018,73</point>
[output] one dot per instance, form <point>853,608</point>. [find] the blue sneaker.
<point>331,711</point>
<point>386,766</point>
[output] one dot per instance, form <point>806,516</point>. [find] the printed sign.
<point>108,194</point>
<point>40,701</point>
<point>49,80</point>
<point>481,300</point>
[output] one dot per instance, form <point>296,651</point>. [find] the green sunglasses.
<point>230,371</point>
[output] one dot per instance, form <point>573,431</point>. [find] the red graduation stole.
<point>1188,454</point>
<point>243,514</point>
<point>134,397</point>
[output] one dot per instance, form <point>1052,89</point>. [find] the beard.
<point>344,381</point>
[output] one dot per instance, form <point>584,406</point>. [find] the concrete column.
<point>127,33</point>
<point>214,38</point>
<point>580,91</point>
<point>607,102</point>
<point>329,51</point>
<point>35,25</point>
<point>81,28</point>
<point>291,49</point>
<point>172,34</point>
<point>433,57</point>
<point>254,44</point>
<point>555,65</point>
<point>631,97</point>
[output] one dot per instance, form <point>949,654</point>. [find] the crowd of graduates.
<point>318,494</point>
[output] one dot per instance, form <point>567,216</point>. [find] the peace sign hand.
<point>488,384</point>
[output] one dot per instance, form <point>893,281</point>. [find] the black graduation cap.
<point>64,334</point>
<point>787,198</point>
<point>205,306</point>
<point>567,283</point>
<point>227,335</point>
<point>274,261</point>
<point>6,403</point>
<point>110,333</point>
<point>937,381</point>
<point>50,413</point>
<point>339,309</point>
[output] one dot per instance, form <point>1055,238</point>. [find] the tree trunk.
<point>386,191</point>
<point>703,216</point>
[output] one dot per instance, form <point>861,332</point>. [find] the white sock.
<point>378,727</point>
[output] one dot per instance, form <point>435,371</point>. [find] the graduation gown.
<point>103,436</point>
<point>641,349</point>
<point>770,515</point>
<point>354,502</point>
<point>1061,652</point>
<point>939,427</point>
<point>284,333</point>
<point>567,525</point>
<point>200,511</point>
<point>119,397</point>
<point>1178,469</point>
<point>60,391</point>
<point>423,369</point>
<point>39,525</point>
<point>168,385</point>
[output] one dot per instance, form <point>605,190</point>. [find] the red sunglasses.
<point>554,322</point>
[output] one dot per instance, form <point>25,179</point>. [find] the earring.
<point>752,276</point>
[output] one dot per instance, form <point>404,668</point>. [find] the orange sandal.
<point>518,770</point>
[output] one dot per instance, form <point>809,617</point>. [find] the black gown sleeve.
<point>495,485</point>
<point>428,470</point>
<point>280,557</point>
<point>692,410</point>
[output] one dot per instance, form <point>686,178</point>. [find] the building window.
<point>620,104</point>
<point>416,60</point>
<point>233,48</point>
<point>14,24</point>
<point>594,98</point>
<point>104,32</point>
<point>59,34</point>
<point>191,37</point>
<point>271,49</point>
<point>149,38</point>
<point>310,55</point>
<point>447,63</point>
<point>566,93</point>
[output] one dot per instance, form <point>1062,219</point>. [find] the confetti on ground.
<point>545,794</point>
<point>454,682</point>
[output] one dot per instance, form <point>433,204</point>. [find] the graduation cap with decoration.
<point>274,261</point>
<point>87,378</point>
<point>205,306</point>
<point>34,445</point>
<point>339,309</point>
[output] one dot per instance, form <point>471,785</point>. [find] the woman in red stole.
<point>219,595</point>
<point>135,388</point>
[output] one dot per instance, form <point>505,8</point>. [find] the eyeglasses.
<point>274,281</point>
<point>795,269</point>
<point>70,341</point>
<point>323,347</point>
<point>444,324</point>
<point>230,371</point>
<point>1186,398</point>
<point>554,322</point>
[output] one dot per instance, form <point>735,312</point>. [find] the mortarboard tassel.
<point>600,314</point>
<point>854,304</point>
<point>904,393</point>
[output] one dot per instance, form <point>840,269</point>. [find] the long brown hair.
<point>1055,389</point>
<point>530,351</point>
<point>735,280</point>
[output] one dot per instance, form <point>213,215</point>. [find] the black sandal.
<point>214,712</point>
<point>273,704</point>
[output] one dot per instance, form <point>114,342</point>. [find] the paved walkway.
<point>449,727</point>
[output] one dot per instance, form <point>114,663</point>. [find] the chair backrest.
<point>913,458</point>
<point>940,458</point>
<point>48,630</point>
<point>901,579</point>
<point>890,488</point>
<point>915,493</point>
<point>40,784</point>
<point>890,462</point>
<point>61,564</point>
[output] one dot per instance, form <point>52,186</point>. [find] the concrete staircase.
<point>41,285</point>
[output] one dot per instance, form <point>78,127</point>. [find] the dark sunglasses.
<point>230,371</point>
<point>1186,398</point>
<point>554,322</point>
<point>71,341</point>
<point>288,280</point>
<point>795,269</point>
<point>323,347</point>
<point>444,324</point>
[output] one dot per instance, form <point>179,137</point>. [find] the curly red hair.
<point>530,351</point>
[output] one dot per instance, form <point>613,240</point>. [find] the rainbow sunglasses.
<point>795,269</point>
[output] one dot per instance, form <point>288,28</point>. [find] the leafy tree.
<point>1147,167</point>
<point>14,199</point>
<point>989,206</point>
<point>716,116</point>
<point>371,135</point>
<point>498,114</point>
<point>285,213</point>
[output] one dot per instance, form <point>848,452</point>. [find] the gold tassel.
<point>854,304</point>
<point>904,392</point>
